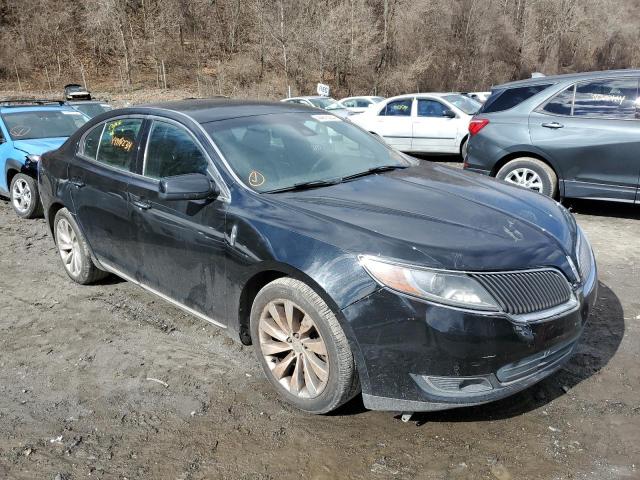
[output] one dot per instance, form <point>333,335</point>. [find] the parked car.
<point>479,96</point>
<point>90,108</point>
<point>349,267</point>
<point>422,122</point>
<point>572,135</point>
<point>28,128</point>
<point>359,104</point>
<point>73,91</point>
<point>325,103</point>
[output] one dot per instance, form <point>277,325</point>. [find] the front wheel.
<point>530,173</point>
<point>25,199</point>
<point>463,149</point>
<point>302,347</point>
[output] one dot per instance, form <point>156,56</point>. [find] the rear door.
<point>432,131</point>
<point>182,241</point>
<point>591,132</point>
<point>99,175</point>
<point>395,124</point>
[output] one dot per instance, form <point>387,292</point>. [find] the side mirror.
<point>449,113</point>
<point>192,186</point>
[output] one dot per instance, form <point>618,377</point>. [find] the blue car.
<point>29,128</point>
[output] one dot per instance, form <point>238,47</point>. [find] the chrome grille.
<point>526,291</point>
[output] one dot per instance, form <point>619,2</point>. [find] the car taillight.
<point>477,124</point>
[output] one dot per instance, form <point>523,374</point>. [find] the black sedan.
<point>347,265</point>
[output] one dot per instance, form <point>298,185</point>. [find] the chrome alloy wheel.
<point>525,177</point>
<point>69,247</point>
<point>293,348</point>
<point>21,195</point>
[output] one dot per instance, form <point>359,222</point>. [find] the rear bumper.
<point>417,356</point>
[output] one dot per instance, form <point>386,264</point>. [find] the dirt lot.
<point>76,399</point>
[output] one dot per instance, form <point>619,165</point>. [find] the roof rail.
<point>25,102</point>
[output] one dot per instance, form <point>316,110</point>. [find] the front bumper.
<point>419,356</point>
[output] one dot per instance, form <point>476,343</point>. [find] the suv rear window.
<point>507,98</point>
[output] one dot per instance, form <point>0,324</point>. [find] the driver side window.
<point>171,151</point>
<point>430,108</point>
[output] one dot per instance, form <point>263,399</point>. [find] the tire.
<point>74,251</point>
<point>341,383</point>
<point>463,149</point>
<point>24,196</point>
<point>530,173</point>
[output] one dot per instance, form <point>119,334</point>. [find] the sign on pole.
<point>323,89</point>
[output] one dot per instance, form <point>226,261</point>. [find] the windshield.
<point>43,123</point>
<point>279,151</point>
<point>464,103</point>
<point>92,109</point>
<point>323,102</point>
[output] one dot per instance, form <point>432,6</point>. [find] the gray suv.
<point>572,135</point>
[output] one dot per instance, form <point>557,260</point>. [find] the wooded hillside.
<point>260,47</point>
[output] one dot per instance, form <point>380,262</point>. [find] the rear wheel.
<point>74,250</point>
<point>302,347</point>
<point>25,199</point>
<point>530,173</point>
<point>463,149</point>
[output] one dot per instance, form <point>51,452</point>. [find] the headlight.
<point>450,288</point>
<point>34,158</point>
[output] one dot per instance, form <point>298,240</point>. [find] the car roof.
<point>31,108</point>
<point>214,109</point>
<point>568,77</point>
<point>423,94</point>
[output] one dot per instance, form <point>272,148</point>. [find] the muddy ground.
<point>76,399</point>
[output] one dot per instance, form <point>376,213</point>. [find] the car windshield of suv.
<point>43,123</point>
<point>323,102</point>
<point>464,103</point>
<point>92,109</point>
<point>299,150</point>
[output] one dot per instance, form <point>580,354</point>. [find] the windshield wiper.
<point>381,168</point>
<point>306,185</point>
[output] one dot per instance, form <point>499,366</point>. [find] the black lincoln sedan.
<point>347,265</point>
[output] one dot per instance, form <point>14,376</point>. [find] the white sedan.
<point>422,122</point>
<point>359,104</point>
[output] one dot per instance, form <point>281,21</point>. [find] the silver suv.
<point>572,135</point>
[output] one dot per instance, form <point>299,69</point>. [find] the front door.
<point>594,140</point>
<point>432,130</point>
<point>182,242</point>
<point>99,176</point>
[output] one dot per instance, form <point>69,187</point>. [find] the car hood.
<point>439,217</point>
<point>38,146</point>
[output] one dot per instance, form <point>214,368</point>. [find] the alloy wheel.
<point>525,177</point>
<point>293,349</point>
<point>21,195</point>
<point>69,247</point>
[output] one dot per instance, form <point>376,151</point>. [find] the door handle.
<point>553,125</point>
<point>141,204</point>
<point>76,182</point>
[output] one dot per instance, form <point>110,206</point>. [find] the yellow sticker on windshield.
<point>256,178</point>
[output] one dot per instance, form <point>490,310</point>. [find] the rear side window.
<point>398,108</point>
<point>501,100</point>
<point>91,142</point>
<point>562,103</point>
<point>172,151</point>
<point>118,142</point>
<point>611,98</point>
